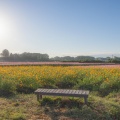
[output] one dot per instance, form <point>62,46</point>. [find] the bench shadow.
<point>62,113</point>
<point>60,109</point>
<point>6,94</point>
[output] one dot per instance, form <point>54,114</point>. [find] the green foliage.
<point>107,87</point>
<point>27,85</point>
<point>87,113</point>
<point>48,83</point>
<point>27,79</point>
<point>66,83</point>
<point>61,102</point>
<point>7,87</point>
<point>47,101</point>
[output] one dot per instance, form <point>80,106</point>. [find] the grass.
<point>26,107</point>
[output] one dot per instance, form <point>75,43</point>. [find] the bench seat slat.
<point>66,92</point>
<point>50,90</point>
<point>83,92</point>
<point>76,92</point>
<point>47,90</point>
<point>57,91</point>
<point>42,90</point>
<point>61,90</point>
<point>73,92</point>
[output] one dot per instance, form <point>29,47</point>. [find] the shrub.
<point>7,87</point>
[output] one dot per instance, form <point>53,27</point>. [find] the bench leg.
<point>39,97</point>
<point>85,100</point>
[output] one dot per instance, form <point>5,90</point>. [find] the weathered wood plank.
<point>42,90</point>
<point>87,92</point>
<point>62,91</point>
<point>50,90</point>
<point>59,90</point>
<point>73,91</point>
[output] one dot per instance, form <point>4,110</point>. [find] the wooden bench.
<point>62,92</point>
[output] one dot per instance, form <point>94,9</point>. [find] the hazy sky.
<point>60,27</point>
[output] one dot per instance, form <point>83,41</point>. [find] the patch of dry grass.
<point>26,107</point>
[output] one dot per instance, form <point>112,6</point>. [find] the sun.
<point>8,29</point>
<point>4,27</point>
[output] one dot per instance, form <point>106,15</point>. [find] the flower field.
<point>28,78</point>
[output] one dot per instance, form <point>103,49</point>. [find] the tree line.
<point>24,57</point>
<point>38,57</point>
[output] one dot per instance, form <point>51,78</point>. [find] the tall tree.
<point>5,53</point>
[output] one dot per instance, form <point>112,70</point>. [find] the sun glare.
<point>4,28</point>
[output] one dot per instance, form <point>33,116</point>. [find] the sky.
<point>60,27</point>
